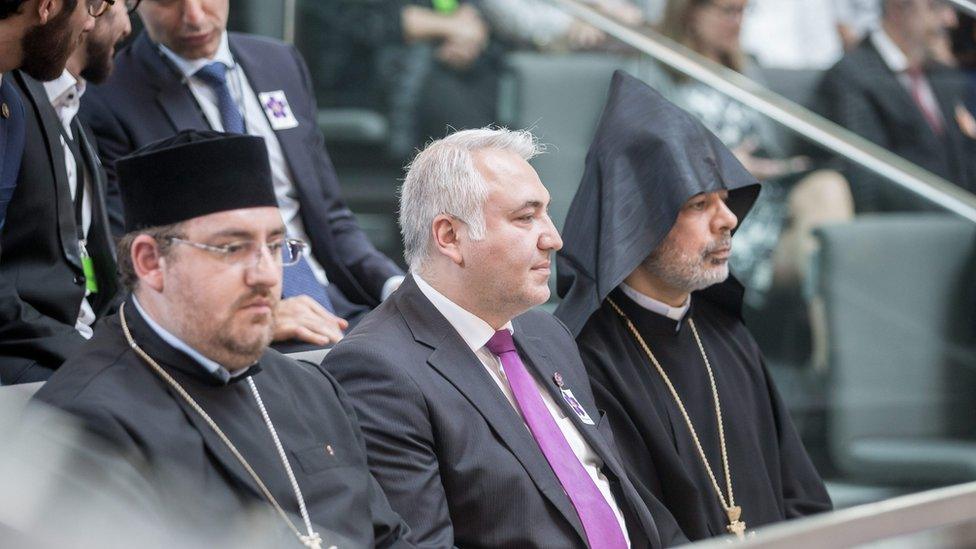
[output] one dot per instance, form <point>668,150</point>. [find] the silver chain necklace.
<point>311,539</point>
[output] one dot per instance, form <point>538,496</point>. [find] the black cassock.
<point>117,396</point>
<point>772,476</point>
<point>647,159</point>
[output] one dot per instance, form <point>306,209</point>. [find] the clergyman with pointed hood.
<point>646,290</point>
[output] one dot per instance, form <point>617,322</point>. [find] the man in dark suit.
<point>182,379</point>
<point>479,420</point>
<point>58,275</point>
<point>36,36</point>
<point>888,91</point>
<point>187,72</point>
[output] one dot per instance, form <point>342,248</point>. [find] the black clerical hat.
<point>647,159</point>
<point>191,174</point>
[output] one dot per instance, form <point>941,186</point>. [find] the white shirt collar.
<point>64,93</point>
<point>211,366</point>
<point>189,67</point>
<point>474,331</point>
<point>655,306</point>
<point>889,51</point>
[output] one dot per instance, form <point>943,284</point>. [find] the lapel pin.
<point>329,450</point>
<point>558,378</point>
<point>4,110</point>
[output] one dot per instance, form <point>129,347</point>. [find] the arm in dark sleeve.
<point>804,492</point>
<point>399,440</point>
<point>389,528</point>
<point>32,344</point>
<point>367,265</point>
<point>112,142</point>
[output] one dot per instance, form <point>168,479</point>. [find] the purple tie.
<point>599,522</point>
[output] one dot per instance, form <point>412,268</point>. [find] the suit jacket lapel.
<point>99,240</point>
<point>292,139</point>
<point>173,95</point>
<point>50,127</point>
<point>898,100</point>
<point>452,358</point>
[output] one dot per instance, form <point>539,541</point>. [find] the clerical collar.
<point>474,331</point>
<point>212,367</point>
<point>655,306</point>
<point>890,53</point>
<point>189,67</point>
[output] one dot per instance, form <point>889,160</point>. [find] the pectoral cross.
<point>313,541</point>
<point>736,526</point>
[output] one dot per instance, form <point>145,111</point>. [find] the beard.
<point>99,60</point>
<point>47,47</point>
<point>688,272</point>
<point>227,342</point>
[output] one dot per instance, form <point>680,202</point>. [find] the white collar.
<point>890,53</point>
<point>214,368</point>
<point>189,67</point>
<point>655,306</point>
<point>474,331</point>
<point>59,91</point>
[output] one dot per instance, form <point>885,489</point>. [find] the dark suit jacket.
<point>863,95</point>
<point>452,454</point>
<point>146,100</point>
<point>11,143</point>
<point>41,278</point>
<point>118,397</point>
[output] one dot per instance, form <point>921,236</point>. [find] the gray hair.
<point>442,179</point>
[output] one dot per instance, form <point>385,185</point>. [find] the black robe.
<point>117,396</point>
<point>772,476</point>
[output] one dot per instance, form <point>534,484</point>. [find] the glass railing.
<point>858,261</point>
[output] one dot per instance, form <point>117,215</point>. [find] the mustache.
<point>256,294</point>
<point>723,242</point>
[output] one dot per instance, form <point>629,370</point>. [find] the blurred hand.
<point>623,11</point>
<point>303,318</point>
<point>768,168</point>
<point>465,40</point>
<point>582,36</point>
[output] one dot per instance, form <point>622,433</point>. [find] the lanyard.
<point>87,266</point>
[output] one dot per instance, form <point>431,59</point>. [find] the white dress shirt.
<point>476,332</point>
<point>65,93</point>
<point>895,59</point>
<point>655,306</point>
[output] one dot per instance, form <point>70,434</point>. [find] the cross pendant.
<point>312,541</point>
<point>736,526</point>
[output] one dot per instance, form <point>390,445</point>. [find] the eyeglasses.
<point>97,8</point>
<point>283,252</point>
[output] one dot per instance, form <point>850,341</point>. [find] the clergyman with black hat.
<point>646,289</point>
<point>182,377</point>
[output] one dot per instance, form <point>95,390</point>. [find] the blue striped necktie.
<point>298,279</point>
<point>215,75</point>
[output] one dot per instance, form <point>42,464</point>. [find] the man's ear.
<point>447,237</point>
<point>147,261</point>
<point>47,9</point>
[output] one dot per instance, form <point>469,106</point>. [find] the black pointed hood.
<point>647,159</point>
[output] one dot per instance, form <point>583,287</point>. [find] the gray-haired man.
<point>479,420</point>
